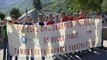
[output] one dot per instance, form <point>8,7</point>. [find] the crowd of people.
<point>40,21</point>
<point>51,19</point>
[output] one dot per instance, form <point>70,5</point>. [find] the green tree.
<point>37,4</point>
<point>93,5</point>
<point>104,6</point>
<point>15,12</point>
<point>76,5</point>
<point>2,15</point>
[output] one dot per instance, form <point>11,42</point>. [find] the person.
<point>13,21</point>
<point>91,15</point>
<point>81,15</point>
<point>41,22</point>
<point>57,19</point>
<point>35,21</point>
<point>64,17</point>
<point>5,40</point>
<point>27,20</point>
<point>104,17</point>
<point>71,16</point>
<point>75,16</point>
<point>51,20</point>
<point>46,19</point>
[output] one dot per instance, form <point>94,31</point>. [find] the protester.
<point>27,21</point>
<point>57,19</point>
<point>13,20</point>
<point>41,22</point>
<point>51,20</point>
<point>35,21</point>
<point>81,14</point>
<point>98,15</point>
<point>104,17</point>
<point>71,16</point>
<point>75,16</point>
<point>64,17</point>
<point>91,15</point>
<point>5,40</point>
<point>46,19</point>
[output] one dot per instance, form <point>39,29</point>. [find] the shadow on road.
<point>85,55</point>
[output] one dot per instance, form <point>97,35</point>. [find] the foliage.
<point>15,12</point>
<point>37,4</point>
<point>86,5</point>
<point>76,5</point>
<point>2,15</point>
<point>104,6</point>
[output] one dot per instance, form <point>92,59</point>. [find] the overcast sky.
<point>7,3</point>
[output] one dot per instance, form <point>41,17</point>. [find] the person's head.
<point>70,15</point>
<point>63,14</point>
<point>41,18</point>
<point>13,19</point>
<point>51,17</point>
<point>27,19</point>
<point>75,15</point>
<point>81,12</point>
<point>57,16</point>
<point>35,20</point>
<point>47,18</point>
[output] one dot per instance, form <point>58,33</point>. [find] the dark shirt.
<point>4,31</point>
<point>28,23</point>
<point>41,23</point>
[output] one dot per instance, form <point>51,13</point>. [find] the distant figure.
<point>51,20</point>
<point>6,54</point>
<point>91,15</point>
<point>71,16</point>
<point>64,17</point>
<point>41,22</point>
<point>75,16</point>
<point>46,19</point>
<point>13,20</point>
<point>81,14</point>
<point>57,19</point>
<point>35,21</point>
<point>27,20</point>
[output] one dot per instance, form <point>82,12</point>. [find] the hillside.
<point>7,5</point>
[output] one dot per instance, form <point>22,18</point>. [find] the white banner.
<point>65,37</point>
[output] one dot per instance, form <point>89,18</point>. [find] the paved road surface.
<point>86,55</point>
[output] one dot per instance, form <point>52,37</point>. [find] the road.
<point>86,55</point>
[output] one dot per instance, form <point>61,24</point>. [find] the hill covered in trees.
<point>57,5</point>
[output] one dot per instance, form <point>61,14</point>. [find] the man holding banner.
<point>5,40</point>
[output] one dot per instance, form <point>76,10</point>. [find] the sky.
<point>8,3</point>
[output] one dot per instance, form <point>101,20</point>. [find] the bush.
<point>15,12</point>
<point>2,16</point>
